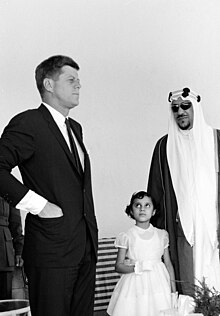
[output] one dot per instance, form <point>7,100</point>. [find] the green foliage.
<point>207,301</point>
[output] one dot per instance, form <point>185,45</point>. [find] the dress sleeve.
<point>121,241</point>
<point>166,239</point>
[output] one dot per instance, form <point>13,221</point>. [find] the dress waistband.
<point>149,264</point>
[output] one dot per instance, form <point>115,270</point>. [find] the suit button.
<point>85,214</point>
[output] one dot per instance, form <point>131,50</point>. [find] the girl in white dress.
<point>145,286</point>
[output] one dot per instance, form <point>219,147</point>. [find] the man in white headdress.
<point>184,179</point>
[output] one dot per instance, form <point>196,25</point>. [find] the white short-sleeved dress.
<point>150,292</point>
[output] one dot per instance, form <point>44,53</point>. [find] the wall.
<point>131,53</point>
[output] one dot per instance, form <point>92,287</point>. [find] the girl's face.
<point>143,210</point>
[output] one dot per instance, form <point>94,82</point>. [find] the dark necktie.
<point>73,147</point>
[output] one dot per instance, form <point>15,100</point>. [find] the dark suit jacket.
<point>33,142</point>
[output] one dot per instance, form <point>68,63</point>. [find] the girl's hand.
<point>123,264</point>
<point>129,262</point>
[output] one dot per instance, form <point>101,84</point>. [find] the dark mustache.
<point>182,116</point>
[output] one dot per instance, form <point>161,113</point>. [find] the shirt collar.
<point>57,116</point>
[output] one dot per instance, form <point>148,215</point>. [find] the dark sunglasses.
<point>184,106</point>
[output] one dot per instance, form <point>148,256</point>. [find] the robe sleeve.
<point>155,186</point>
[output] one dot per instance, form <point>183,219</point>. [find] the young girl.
<point>146,284</point>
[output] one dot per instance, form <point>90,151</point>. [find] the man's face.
<point>183,116</point>
<point>66,88</point>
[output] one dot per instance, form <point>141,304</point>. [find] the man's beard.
<point>185,127</point>
<point>182,124</point>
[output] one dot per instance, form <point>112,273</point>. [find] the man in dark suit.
<point>11,245</point>
<point>60,230</point>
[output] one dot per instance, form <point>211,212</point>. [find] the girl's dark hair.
<point>138,195</point>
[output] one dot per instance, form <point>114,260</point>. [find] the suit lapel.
<point>57,133</point>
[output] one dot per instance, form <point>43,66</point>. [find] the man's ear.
<point>48,84</point>
<point>154,212</point>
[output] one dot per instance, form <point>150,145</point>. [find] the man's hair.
<point>51,67</point>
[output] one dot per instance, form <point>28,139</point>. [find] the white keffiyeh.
<point>191,159</point>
